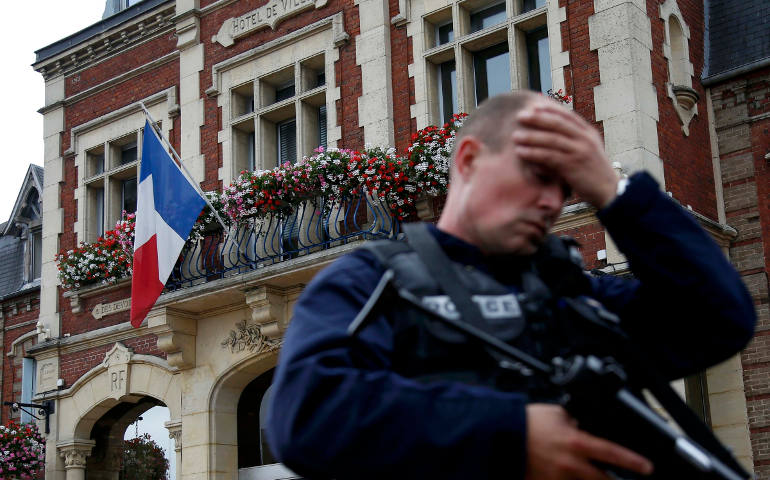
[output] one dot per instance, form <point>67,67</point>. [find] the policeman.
<point>405,398</point>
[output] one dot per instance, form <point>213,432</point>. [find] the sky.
<point>25,27</point>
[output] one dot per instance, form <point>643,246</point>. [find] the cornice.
<point>94,338</point>
<point>109,44</point>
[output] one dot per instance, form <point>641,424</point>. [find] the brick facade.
<point>19,318</point>
<point>741,108</point>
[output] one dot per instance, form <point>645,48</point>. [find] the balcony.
<point>313,227</point>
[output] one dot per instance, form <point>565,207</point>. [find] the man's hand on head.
<point>559,139</point>
<point>558,450</point>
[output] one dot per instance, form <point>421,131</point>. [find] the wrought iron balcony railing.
<point>312,227</point>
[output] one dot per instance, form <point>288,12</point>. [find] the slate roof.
<point>11,269</point>
<point>739,35</point>
<point>38,171</point>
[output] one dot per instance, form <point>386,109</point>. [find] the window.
<point>128,195</point>
<point>491,72</point>
<point>476,49</point>
<point>444,33</point>
<point>487,17</point>
<point>36,254</point>
<point>279,117</point>
<point>287,141</point>
<point>111,182</point>
<point>539,60</point>
<point>447,90</point>
<point>27,386</point>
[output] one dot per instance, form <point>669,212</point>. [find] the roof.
<point>739,36</point>
<point>11,264</point>
<point>97,28</point>
<point>33,178</point>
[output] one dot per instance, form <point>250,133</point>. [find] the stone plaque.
<point>102,309</point>
<point>117,363</point>
<point>268,15</point>
<point>47,371</point>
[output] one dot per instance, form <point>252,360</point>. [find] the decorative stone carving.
<point>686,97</point>
<point>269,316</point>
<point>116,361</point>
<point>75,453</point>
<point>175,432</point>
<point>268,15</point>
<point>176,336</point>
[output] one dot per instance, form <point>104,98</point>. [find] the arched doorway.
<point>238,406</point>
<point>253,448</point>
<point>108,432</point>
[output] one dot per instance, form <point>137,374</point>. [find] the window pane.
<point>37,248</point>
<point>322,126</point>
<point>539,60</point>
<point>250,151</point>
<point>447,84</point>
<point>487,17</point>
<point>528,5</point>
<point>491,72</point>
<point>287,141</point>
<point>283,93</point>
<point>320,79</point>
<point>27,386</point>
<point>128,153</point>
<point>129,195</point>
<point>444,33</point>
<point>99,211</point>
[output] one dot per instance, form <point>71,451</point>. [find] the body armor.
<point>527,316</point>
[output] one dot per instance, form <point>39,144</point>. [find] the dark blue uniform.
<point>339,410</point>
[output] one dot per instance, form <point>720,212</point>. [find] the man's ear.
<point>466,155</point>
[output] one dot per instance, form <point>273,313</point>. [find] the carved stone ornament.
<point>249,336</point>
<point>75,453</point>
<point>175,432</point>
<point>118,370</point>
<point>268,15</point>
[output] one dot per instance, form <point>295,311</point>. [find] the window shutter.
<point>287,142</point>
<point>322,126</point>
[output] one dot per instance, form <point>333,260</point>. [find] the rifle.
<point>596,390</point>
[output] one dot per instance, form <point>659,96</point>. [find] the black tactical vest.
<point>428,350</point>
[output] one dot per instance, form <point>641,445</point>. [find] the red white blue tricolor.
<point>167,208</point>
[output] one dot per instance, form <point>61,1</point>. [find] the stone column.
<point>175,431</point>
<point>375,106</point>
<point>74,453</point>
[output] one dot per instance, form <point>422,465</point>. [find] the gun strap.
<point>440,268</point>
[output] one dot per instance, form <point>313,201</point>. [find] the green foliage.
<point>143,459</point>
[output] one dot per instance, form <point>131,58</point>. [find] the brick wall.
<point>688,168</point>
<point>591,239</point>
<point>741,108</point>
<point>74,323</point>
<point>16,325</point>
<point>74,365</point>
<point>347,73</point>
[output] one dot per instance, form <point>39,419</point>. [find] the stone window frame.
<point>105,132</point>
<point>423,15</point>
<point>676,50</point>
<point>251,70</point>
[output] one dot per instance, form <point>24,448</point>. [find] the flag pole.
<point>189,176</point>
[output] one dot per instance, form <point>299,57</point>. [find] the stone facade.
<point>212,83</point>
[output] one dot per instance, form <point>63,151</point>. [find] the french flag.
<point>167,208</point>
